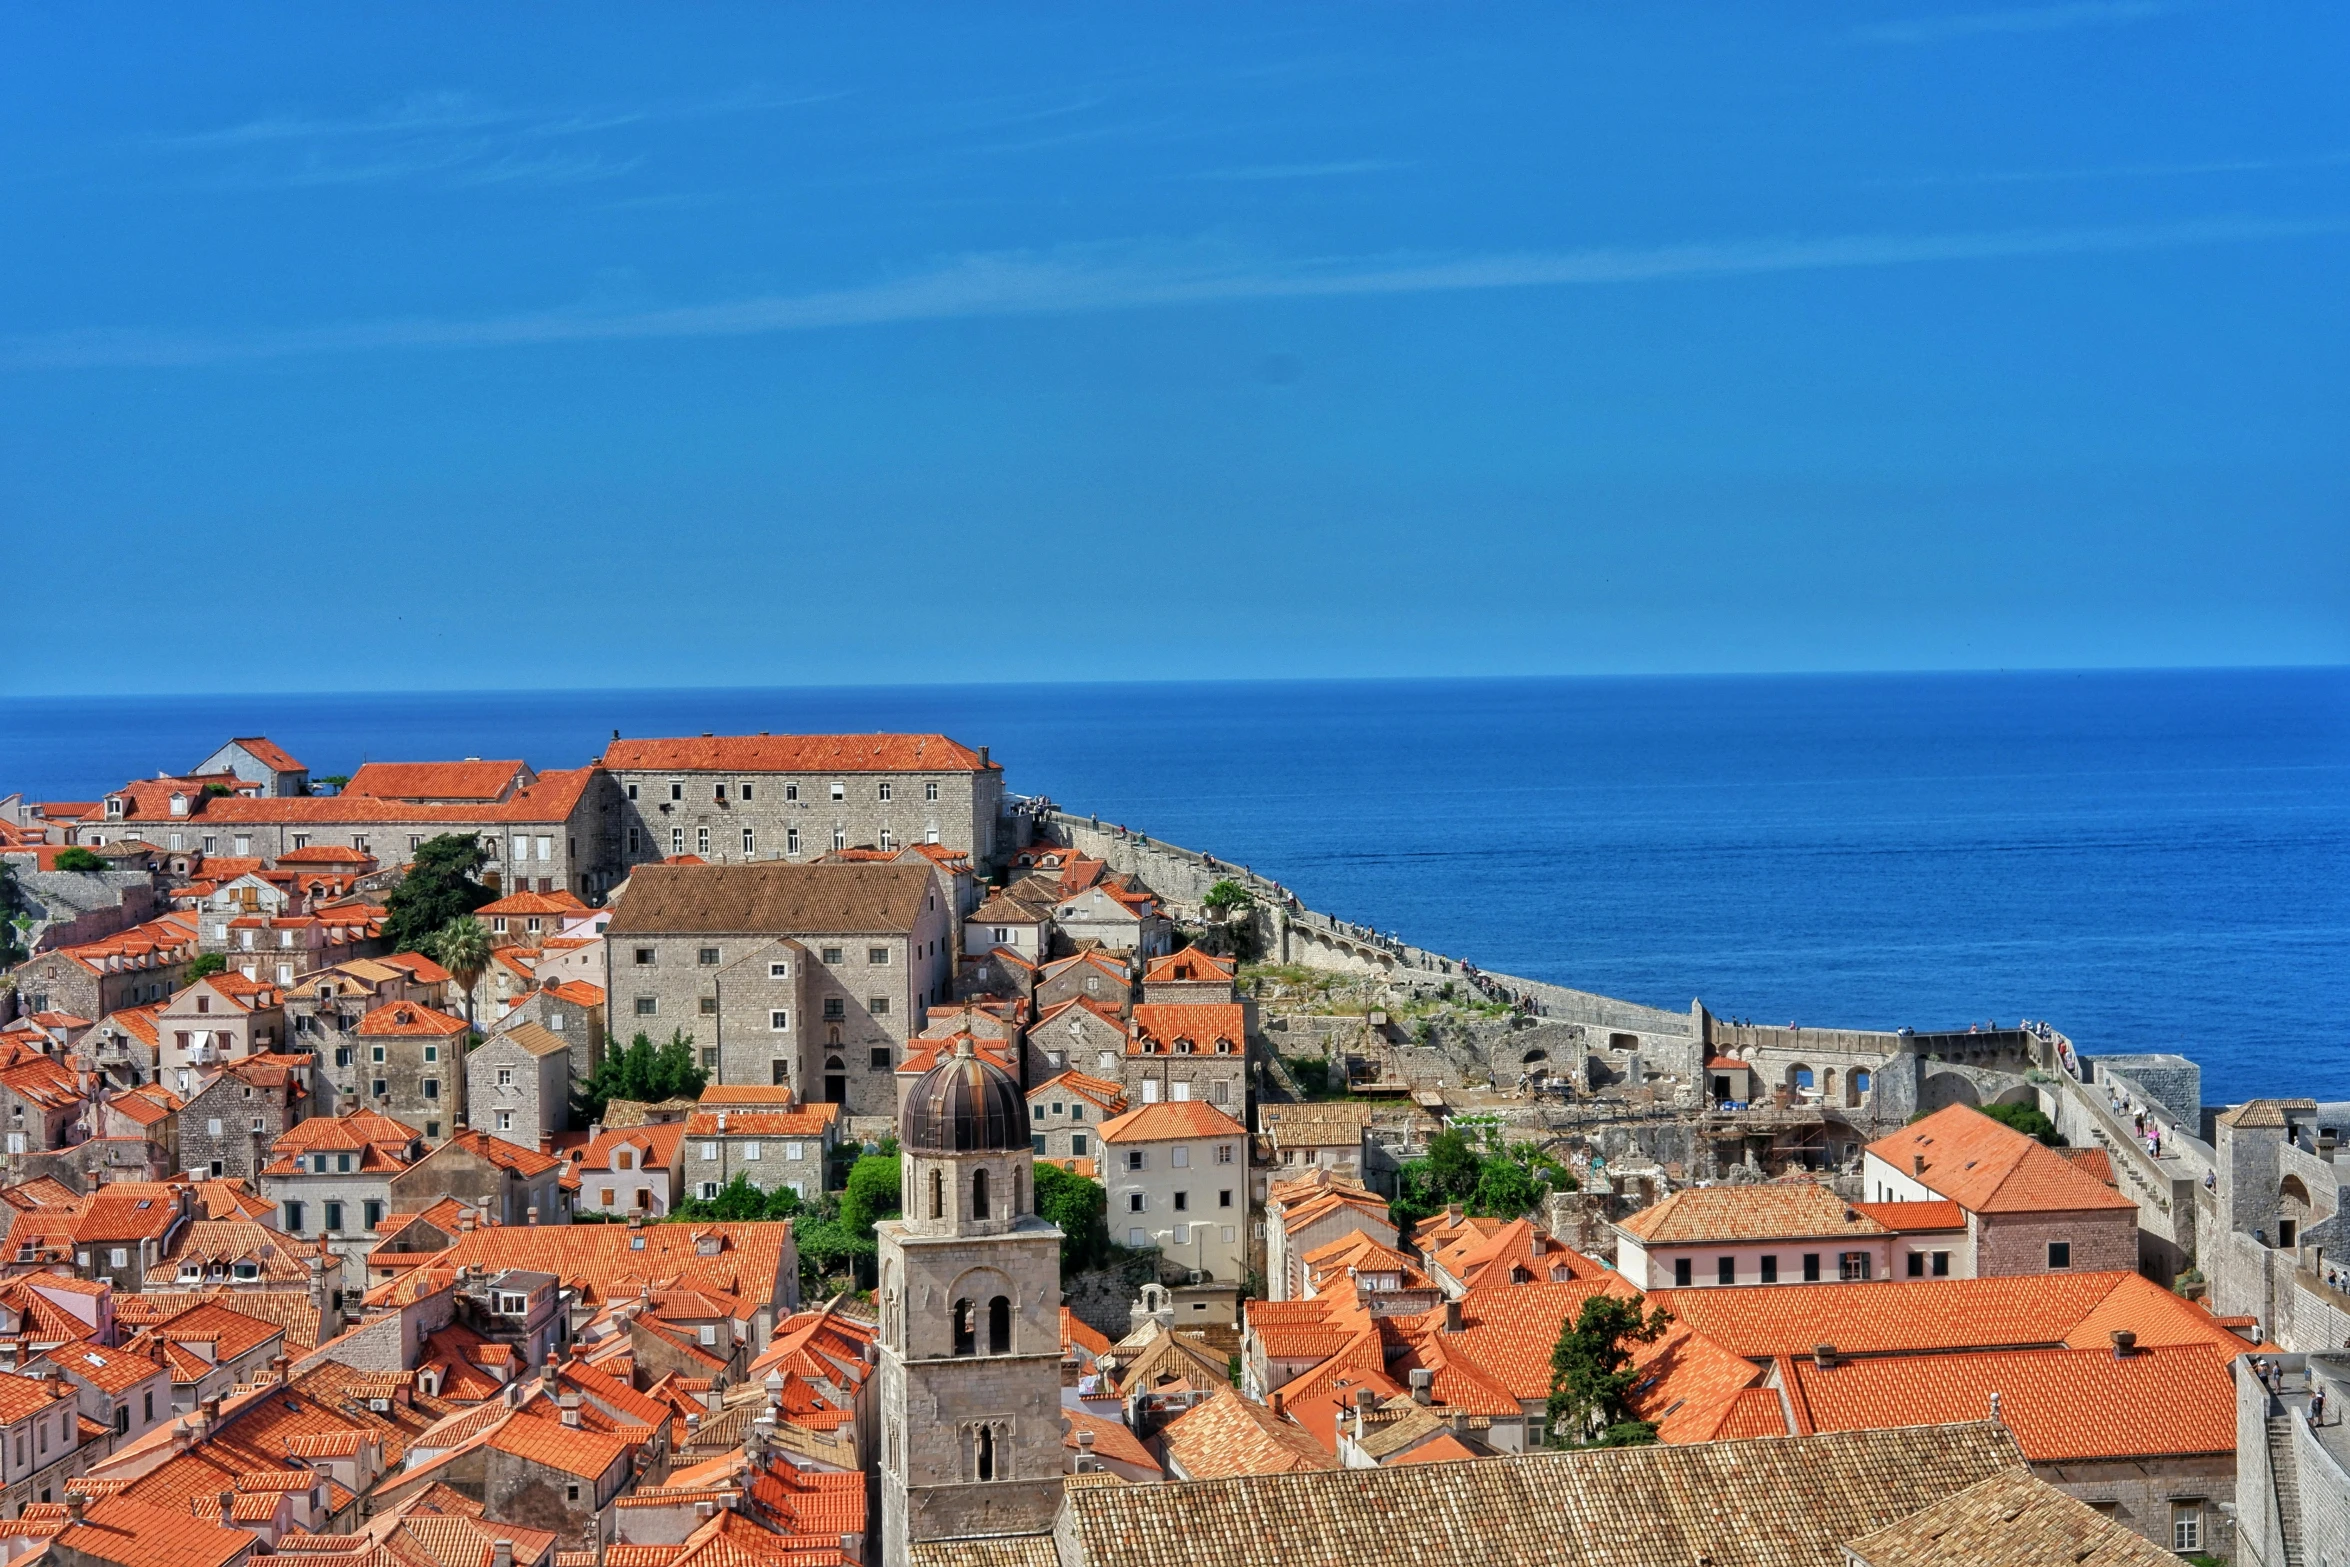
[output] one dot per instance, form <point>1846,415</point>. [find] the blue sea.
<point>2151,861</point>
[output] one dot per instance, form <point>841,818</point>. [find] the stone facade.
<point>227,1127</point>
<point>775,1150</point>
<point>518,1084</point>
<point>2006,1244</point>
<point>408,1067</point>
<point>798,797</point>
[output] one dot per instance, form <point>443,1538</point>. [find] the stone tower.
<point>970,1294</point>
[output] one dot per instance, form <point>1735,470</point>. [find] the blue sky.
<point>417,347</point>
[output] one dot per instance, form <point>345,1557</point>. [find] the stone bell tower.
<point>970,1295</point>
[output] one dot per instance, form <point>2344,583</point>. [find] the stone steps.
<point>2285,1470</point>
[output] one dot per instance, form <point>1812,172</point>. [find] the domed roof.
<point>964,1105</point>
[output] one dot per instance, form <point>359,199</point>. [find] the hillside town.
<point>797,1150</point>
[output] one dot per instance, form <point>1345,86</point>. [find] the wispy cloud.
<point>2023,19</point>
<point>2120,171</point>
<point>456,139</point>
<point>1101,278</point>
<point>1308,171</point>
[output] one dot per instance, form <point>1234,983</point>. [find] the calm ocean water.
<point>2153,861</point>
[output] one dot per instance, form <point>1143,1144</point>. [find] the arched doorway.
<point>836,1081</point>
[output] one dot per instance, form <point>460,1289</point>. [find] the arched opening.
<point>938,1195</point>
<point>1532,1056</point>
<point>1019,1192</point>
<point>1799,1078</point>
<point>999,1326</point>
<point>1859,1087</point>
<point>986,1460</point>
<point>2292,1211</point>
<point>978,1194</point>
<point>836,1076</point>
<point>966,1329</point>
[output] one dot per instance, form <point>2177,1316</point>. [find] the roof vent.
<point>2125,1343</point>
<point>1823,1356</point>
<point>1917,1164</point>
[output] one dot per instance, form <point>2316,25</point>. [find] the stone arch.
<point>1532,1056</point>
<point>979,1193</point>
<point>999,1325</point>
<point>1941,1090</point>
<point>1800,1077</point>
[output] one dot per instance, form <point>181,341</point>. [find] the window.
<point>743,790</point>
<point>1076,1112</point>
<point>709,1150</point>
<point>1136,1159</point>
<point>1134,1202</point>
<point>432,1052</point>
<point>718,793</point>
<point>1726,1270</point>
<point>375,1053</point>
<point>1036,1145</point>
<point>1852,1266</point>
<point>1224,1198</point>
<point>1183,1202</point>
<point>1917,1264</point>
<point>647,957</point>
<point>382,1088</point>
<point>751,1152</point>
<point>930,790</point>
<point>877,1005</point>
<point>840,791</point>
<point>831,955</point>
<point>1770,1269</point>
<point>432,1088</point>
<point>632,791</point>
<point>884,789</point>
<point>505,1077</point>
<point>635,839</point>
<point>1179,1157</point>
<point>1223,1153</point>
<point>2060,1254</point>
<point>834,1008</point>
<point>293,1218</point>
<point>791,791</point>
<point>791,840</point>
<point>120,1258</point>
<point>709,1006</point>
<point>342,1164</point>
<point>1137,1239</point>
<point>505,1121</point>
<point>676,789</point>
<point>2186,1526</point>
<point>1077,1144</point>
<point>701,840</point>
<point>334,1216</point>
<point>1811,1267</point>
<point>707,957</point>
<point>571,1491</point>
<point>647,1006</point>
<point>1941,1264</point>
<point>878,956</point>
<point>779,1021</point>
<point>879,1060</point>
<point>677,840</point>
<point>709,1190</point>
<point>750,843</point>
<point>372,1211</point>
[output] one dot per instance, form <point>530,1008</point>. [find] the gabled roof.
<point>1987,1167</point>
<point>1778,1210</point>
<point>2012,1517</point>
<point>1190,967</point>
<point>809,1120</point>
<point>772,897</point>
<point>524,1162</point>
<point>657,1146</point>
<point>1099,1091</point>
<point>2064,1405</point>
<point>907,753</point>
<point>470,782</point>
<point>587,1454</point>
<point>578,992</point>
<point>268,753</point>
<point>1111,1439</point>
<point>533,1039</point>
<point>116,1529</point>
<point>129,1211</point>
<point>1231,1435</point>
<point>1203,1023</point>
<point>526,903</point>
<point>408,1020</point>
<point>1170,1120</point>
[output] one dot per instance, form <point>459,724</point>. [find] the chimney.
<point>227,1502</point>
<point>1995,1420</point>
<point>1452,1211</point>
<point>2125,1343</point>
<point>983,756</point>
<point>502,1553</point>
<point>278,1367</point>
<point>76,1504</point>
<point>1085,1459</point>
<point>569,1404</point>
<point>530,1215</point>
<point>1823,1356</point>
<point>1452,1316</point>
<point>1423,1385</point>
<point>693,1427</point>
<point>1273,1402</point>
<point>1917,1164</point>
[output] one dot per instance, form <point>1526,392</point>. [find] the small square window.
<point>877,956</point>
<point>779,1021</point>
<point>375,1053</point>
<point>707,957</point>
<point>880,1060</point>
<point>840,791</point>
<point>709,1006</point>
<point>930,790</point>
<point>831,955</point>
<point>1134,1202</point>
<point>877,1005</point>
<point>646,957</point>
<point>2060,1254</point>
<point>779,971</point>
<point>834,1007</point>
<point>647,1006</point>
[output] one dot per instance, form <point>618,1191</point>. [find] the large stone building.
<point>803,976</point>
<point>970,1321</point>
<point>730,798</point>
<point>2028,1208</point>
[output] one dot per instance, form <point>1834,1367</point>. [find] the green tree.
<point>1481,1172</point>
<point>13,920</point>
<point>739,1202</point>
<point>874,1190</point>
<point>1591,1374</point>
<point>1081,1208</point>
<point>336,781</point>
<point>77,858</point>
<point>2027,1119</point>
<point>642,1071</point>
<point>1232,920</point>
<point>205,967</point>
<point>463,948</point>
<point>440,886</point>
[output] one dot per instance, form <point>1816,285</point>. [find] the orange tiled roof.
<point>128,1211</point>
<point>548,801</point>
<point>656,1146</point>
<point>578,992</point>
<point>1190,966</point>
<point>2064,1405</point>
<point>1915,1217</point>
<point>587,1454</point>
<point>1987,1167</point>
<point>798,754</point>
<point>1171,1119</point>
<point>409,1020</point>
<point>438,781</point>
<point>1111,1439</point>
<point>1231,1435</point>
<point>810,1120</point>
<point>117,1529</point>
<point>1099,1091</point>
<point>268,753</point>
<point>1162,1024</point>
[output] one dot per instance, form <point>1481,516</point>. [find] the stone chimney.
<point>1364,1399</point>
<point>279,1366</point>
<point>1823,1356</point>
<point>502,1553</point>
<point>226,1501</point>
<point>569,1404</point>
<point>530,1215</point>
<point>76,1504</point>
<point>2125,1343</point>
<point>1452,1316</point>
<point>1423,1385</point>
<point>1273,1401</point>
<point>1917,1164</point>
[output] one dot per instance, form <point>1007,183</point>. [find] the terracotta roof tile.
<point>1987,1167</point>
<point>1779,1210</point>
<point>407,1020</point>
<point>1170,1120</point>
<point>2011,1517</point>
<point>908,753</point>
<point>1231,1435</point>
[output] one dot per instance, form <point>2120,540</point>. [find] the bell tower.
<point>970,1295</point>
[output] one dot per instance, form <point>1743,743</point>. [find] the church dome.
<point>965,1104</point>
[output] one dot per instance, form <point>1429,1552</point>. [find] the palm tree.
<point>463,948</point>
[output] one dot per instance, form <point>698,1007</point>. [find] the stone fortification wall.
<point>2173,1082</point>
<point>2164,1189</point>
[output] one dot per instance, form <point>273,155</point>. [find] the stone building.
<point>1102,978</point>
<point>41,1106</point>
<point>218,1019</point>
<point>518,1084</point>
<point>1117,915</point>
<point>130,968</point>
<point>408,1066</point>
<point>229,1125</point>
<point>1066,1114</point>
<point>255,759</point>
<point>632,1170</point>
<point>1079,1035</point>
<point>734,798</point>
<point>970,1341</point>
<point>2028,1209</point>
<point>1188,1051</point>
<point>775,1148</point>
<point>331,1176</point>
<point>802,976</point>
<point>126,1233</point>
<point>502,1182</point>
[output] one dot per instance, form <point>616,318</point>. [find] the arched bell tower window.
<point>966,1328</point>
<point>999,1326</point>
<point>985,1464</point>
<point>938,1195</point>
<point>978,1194</point>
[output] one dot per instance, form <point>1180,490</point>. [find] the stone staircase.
<point>2286,1472</point>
